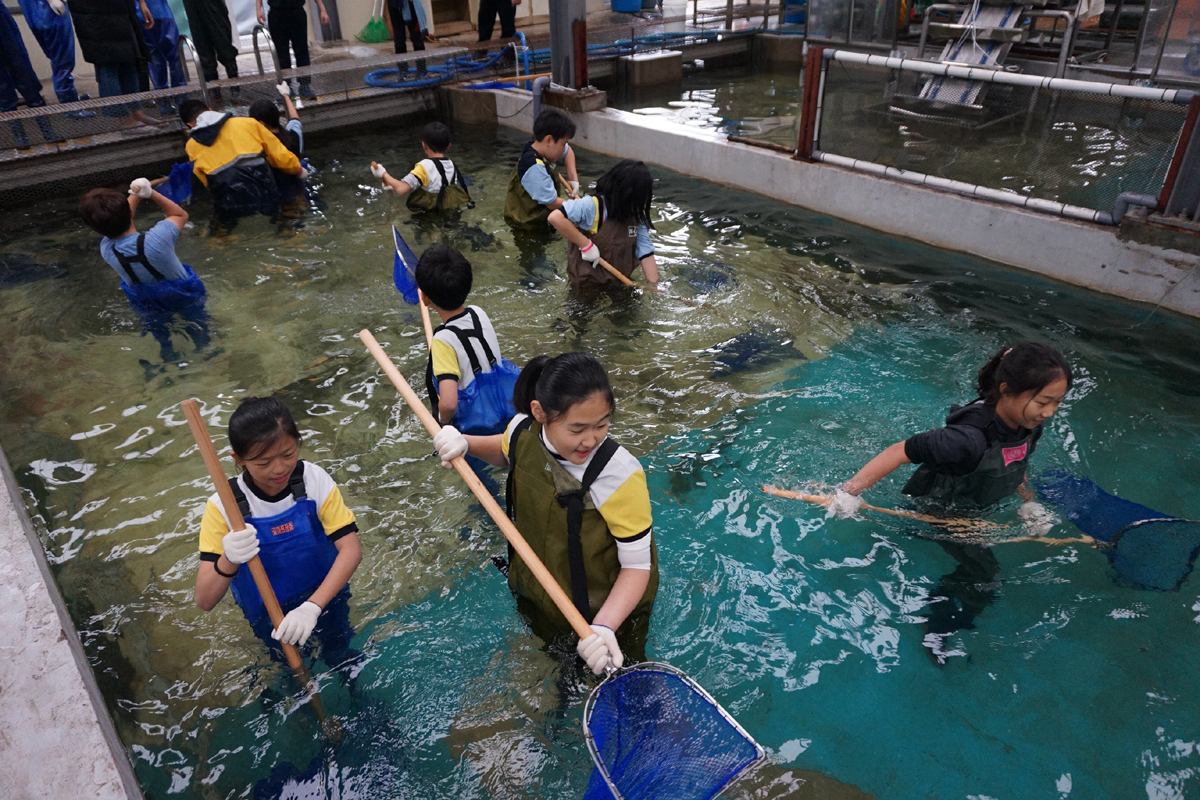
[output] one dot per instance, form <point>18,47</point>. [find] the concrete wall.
<point>56,738</point>
<point>1078,253</point>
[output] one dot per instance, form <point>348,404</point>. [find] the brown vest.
<point>618,244</point>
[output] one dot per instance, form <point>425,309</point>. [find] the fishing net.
<point>1148,549</point>
<point>654,733</point>
<point>404,269</point>
<point>178,187</point>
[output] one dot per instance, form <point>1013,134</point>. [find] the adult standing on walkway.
<point>50,25</point>
<point>110,36</point>
<point>408,15</point>
<point>288,24</point>
<point>506,10</point>
<point>162,37</point>
<point>212,34</point>
<point>17,75</point>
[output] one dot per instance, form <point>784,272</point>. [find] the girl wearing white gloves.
<point>297,524</point>
<point>581,502</point>
<point>981,455</point>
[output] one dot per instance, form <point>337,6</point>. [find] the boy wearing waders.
<point>614,224</point>
<point>534,185</point>
<point>159,286</point>
<point>978,459</point>
<point>296,523</point>
<point>581,502</point>
<point>434,183</point>
<point>470,384</point>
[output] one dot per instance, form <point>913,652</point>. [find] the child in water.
<point>617,218</point>
<point>981,455</point>
<point>434,183</point>
<point>296,523</point>
<point>580,500</point>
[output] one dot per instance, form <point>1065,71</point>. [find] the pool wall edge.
<point>1078,253</point>
<point>59,740</point>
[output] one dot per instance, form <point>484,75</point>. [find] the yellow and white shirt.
<point>619,493</point>
<point>336,519</point>
<point>450,360</point>
<point>425,175</point>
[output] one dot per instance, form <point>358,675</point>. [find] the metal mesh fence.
<point>1071,147</point>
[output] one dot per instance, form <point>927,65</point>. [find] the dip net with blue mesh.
<point>1148,549</point>
<point>655,733</point>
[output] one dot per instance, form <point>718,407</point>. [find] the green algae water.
<point>814,634</point>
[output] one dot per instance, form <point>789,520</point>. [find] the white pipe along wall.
<point>1083,254</point>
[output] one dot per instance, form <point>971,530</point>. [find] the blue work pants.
<point>56,37</point>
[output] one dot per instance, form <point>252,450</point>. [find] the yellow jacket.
<point>220,140</point>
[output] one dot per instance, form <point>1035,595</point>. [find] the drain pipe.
<point>1124,201</point>
<point>538,85</point>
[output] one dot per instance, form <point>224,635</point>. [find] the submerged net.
<point>654,733</point>
<point>1148,549</point>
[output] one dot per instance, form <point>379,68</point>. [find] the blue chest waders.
<point>293,548</point>
<point>164,296</point>
<point>485,405</point>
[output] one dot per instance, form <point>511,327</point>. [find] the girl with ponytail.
<point>981,455</point>
<point>579,499</point>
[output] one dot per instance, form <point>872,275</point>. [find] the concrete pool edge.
<point>1088,255</point>
<point>58,738</point>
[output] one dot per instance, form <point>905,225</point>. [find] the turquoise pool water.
<point>811,633</point>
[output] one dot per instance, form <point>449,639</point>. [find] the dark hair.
<point>444,275</point>
<point>106,211</point>
<point>436,136</point>
<point>265,112</point>
<point>1023,367</point>
<point>259,422</point>
<point>190,109</point>
<point>560,382</point>
<point>552,122</point>
<point>627,190</point>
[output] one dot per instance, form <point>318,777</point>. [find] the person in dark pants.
<point>288,23</point>
<point>212,35</point>
<point>408,15</point>
<point>506,10</point>
<point>17,75</point>
<point>110,36</point>
<point>50,24</point>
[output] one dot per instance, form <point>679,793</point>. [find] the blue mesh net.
<point>178,187</point>
<point>404,269</point>
<point>659,735</point>
<point>1148,549</point>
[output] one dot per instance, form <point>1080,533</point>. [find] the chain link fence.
<point>1074,147</point>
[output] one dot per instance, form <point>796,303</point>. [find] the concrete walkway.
<point>56,739</point>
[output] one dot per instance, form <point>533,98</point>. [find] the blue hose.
<point>439,73</point>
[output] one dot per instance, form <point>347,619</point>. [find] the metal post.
<point>729,15</point>
<point>579,32</point>
<point>184,40</point>
<point>813,66</point>
<point>1166,200</point>
<point>563,15</point>
<point>1112,29</point>
<point>1162,47</point>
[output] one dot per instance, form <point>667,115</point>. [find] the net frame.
<point>690,683</point>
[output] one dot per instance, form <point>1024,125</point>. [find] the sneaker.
<point>84,114</point>
<point>306,91</point>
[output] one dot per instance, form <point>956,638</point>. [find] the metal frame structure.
<point>813,101</point>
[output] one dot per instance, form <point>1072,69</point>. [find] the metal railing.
<point>270,46</point>
<point>1017,132</point>
<point>185,41</point>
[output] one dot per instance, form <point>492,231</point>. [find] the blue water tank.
<point>627,6</point>
<point>794,13</point>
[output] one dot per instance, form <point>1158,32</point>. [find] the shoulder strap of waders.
<point>522,426</point>
<point>295,486</point>
<point>573,502</point>
<point>437,164</point>
<point>127,262</point>
<point>242,503</point>
<point>465,337</point>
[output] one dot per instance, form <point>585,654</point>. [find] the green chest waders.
<point>519,207</point>
<point>556,515</point>
<point>452,196</point>
<point>1000,472</point>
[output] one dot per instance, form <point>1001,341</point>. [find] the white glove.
<point>283,89</point>
<point>574,187</point>
<point>298,625</point>
<point>240,546</point>
<point>57,6</point>
<point>600,650</point>
<point>142,188</point>
<point>591,253</point>
<point>450,444</point>
<point>378,170</point>
<point>303,174</point>
<point>1037,518</point>
<point>844,505</point>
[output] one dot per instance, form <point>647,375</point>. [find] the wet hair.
<point>106,211</point>
<point>444,275</point>
<point>190,109</point>
<point>436,137</point>
<point>627,190</point>
<point>259,422</point>
<point>265,112</point>
<point>560,382</point>
<point>1028,366</point>
<point>552,122</point>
